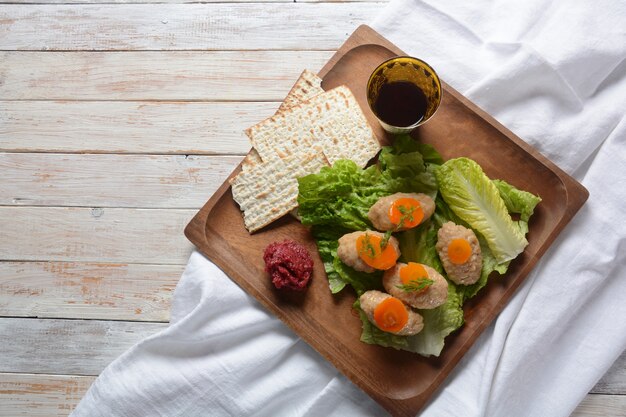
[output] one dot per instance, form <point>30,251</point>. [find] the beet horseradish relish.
<point>289,265</point>
<point>403,92</point>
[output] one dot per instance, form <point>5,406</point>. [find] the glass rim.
<point>388,60</point>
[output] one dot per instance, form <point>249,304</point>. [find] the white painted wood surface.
<point>138,181</point>
<point>143,127</point>
<point>73,347</point>
<point>100,291</point>
<point>132,75</point>
<point>217,26</point>
<point>94,234</point>
<point>118,119</point>
<point>37,395</point>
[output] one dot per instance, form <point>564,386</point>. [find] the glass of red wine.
<point>403,92</point>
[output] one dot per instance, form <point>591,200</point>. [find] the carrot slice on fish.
<point>391,315</point>
<point>414,278</point>
<point>370,250</point>
<point>412,272</point>
<point>406,213</point>
<point>459,251</point>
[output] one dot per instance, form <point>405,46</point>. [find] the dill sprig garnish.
<point>368,247</point>
<point>385,239</point>
<point>416,285</point>
<point>407,214</point>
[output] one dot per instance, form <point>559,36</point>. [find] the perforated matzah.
<point>331,121</point>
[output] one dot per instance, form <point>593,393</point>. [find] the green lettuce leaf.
<point>360,281</point>
<point>340,196</point>
<point>474,198</point>
<point>327,244</point>
<point>438,324</point>
<point>418,245</point>
<point>519,202</point>
<point>404,168</point>
<point>429,153</point>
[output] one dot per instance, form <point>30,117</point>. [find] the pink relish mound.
<point>289,265</point>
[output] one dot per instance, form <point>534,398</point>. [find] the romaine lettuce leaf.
<point>418,245</point>
<point>438,323</point>
<point>516,201</point>
<point>472,196</point>
<point>519,202</point>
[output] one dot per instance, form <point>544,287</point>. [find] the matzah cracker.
<point>306,87</point>
<point>251,160</point>
<point>267,191</point>
<point>331,121</point>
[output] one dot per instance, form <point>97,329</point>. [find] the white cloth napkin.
<point>555,74</point>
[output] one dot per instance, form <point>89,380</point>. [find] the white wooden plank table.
<point>117,121</point>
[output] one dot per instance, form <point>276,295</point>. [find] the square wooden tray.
<point>400,381</point>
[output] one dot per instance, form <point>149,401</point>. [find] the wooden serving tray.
<point>400,381</point>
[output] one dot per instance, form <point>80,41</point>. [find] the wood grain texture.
<point>36,395</point>
<point>598,405</point>
<point>105,291</point>
<point>614,381</point>
<point>110,235</point>
<point>208,26</point>
<point>129,127</point>
<point>72,347</point>
<point>180,76</point>
<point>138,181</point>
